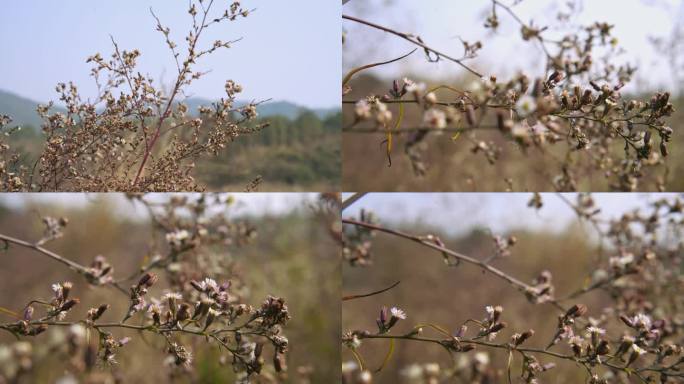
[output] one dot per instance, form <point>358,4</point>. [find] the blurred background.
<point>275,60</point>
<point>293,257</point>
<point>550,238</point>
<point>654,47</point>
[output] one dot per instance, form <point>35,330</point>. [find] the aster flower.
<point>398,313</point>
<point>526,105</point>
<point>435,118</point>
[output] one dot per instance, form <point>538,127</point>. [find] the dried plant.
<point>573,114</point>
<point>636,338</point>
<point>135,136</point>
<point>204,298</point>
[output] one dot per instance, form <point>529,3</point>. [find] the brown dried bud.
<point>603,348</point>
<point>576,350</point>
<point>625,319</point>
<point>576,310</point>
<point>147,280</point>
<point>196,285</point>
<point>69,304</point>
<point>66,289</point>
<point>523,337</point>
<point>497,327</point>
<point>100,310</point>
<point>183,312</point>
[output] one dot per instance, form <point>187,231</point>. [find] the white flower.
<point>413,87</point>
<point>413,372</point>
<point>209,283</point>
<point>365,377</point>
<point>172,295</point>
<point>349,366</point>
<point>622,261</point>
<point>57,289</point>
<point>638,350</point>
<point>177,237</point>
<point>398,313</point>
<point>521,130</point>
<point>362,109</point>
<point>430,98</point>
<point>481,358</point>
<point>526,105</point>
<point>434,118</point>
<point>22,348</point>
<point>78,331</point>
<point>432,369</point>
<point>597,330</point>
<point>642,321</point>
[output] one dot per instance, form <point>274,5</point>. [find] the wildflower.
<point>413,87</point>
<point>481,358</point>
<point>178,237</point>
<point>349,366</point>
<point>435,118</point>
<point>636,352</point>
<point>526,105</point>
<point>362,110</point>
<point>398,313</point>
<point>430,98</point>
<point>642,321</point>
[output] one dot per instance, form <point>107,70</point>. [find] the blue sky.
<point>290,49</point>
<point>459,213</point>
<point>441,22</point>
<point>258,204</point>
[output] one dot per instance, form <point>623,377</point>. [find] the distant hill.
<point>23,110</point>
<point>20,109</point>
<point>271,108</point>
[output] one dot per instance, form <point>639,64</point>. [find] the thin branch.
<point>353,297</point>
<point>352,199</point>
<point>412,40</point>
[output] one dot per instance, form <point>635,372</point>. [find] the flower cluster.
<point>574,111</point>
<point>134,136</point>
<point>190,289</point>
<point>633,332</point>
